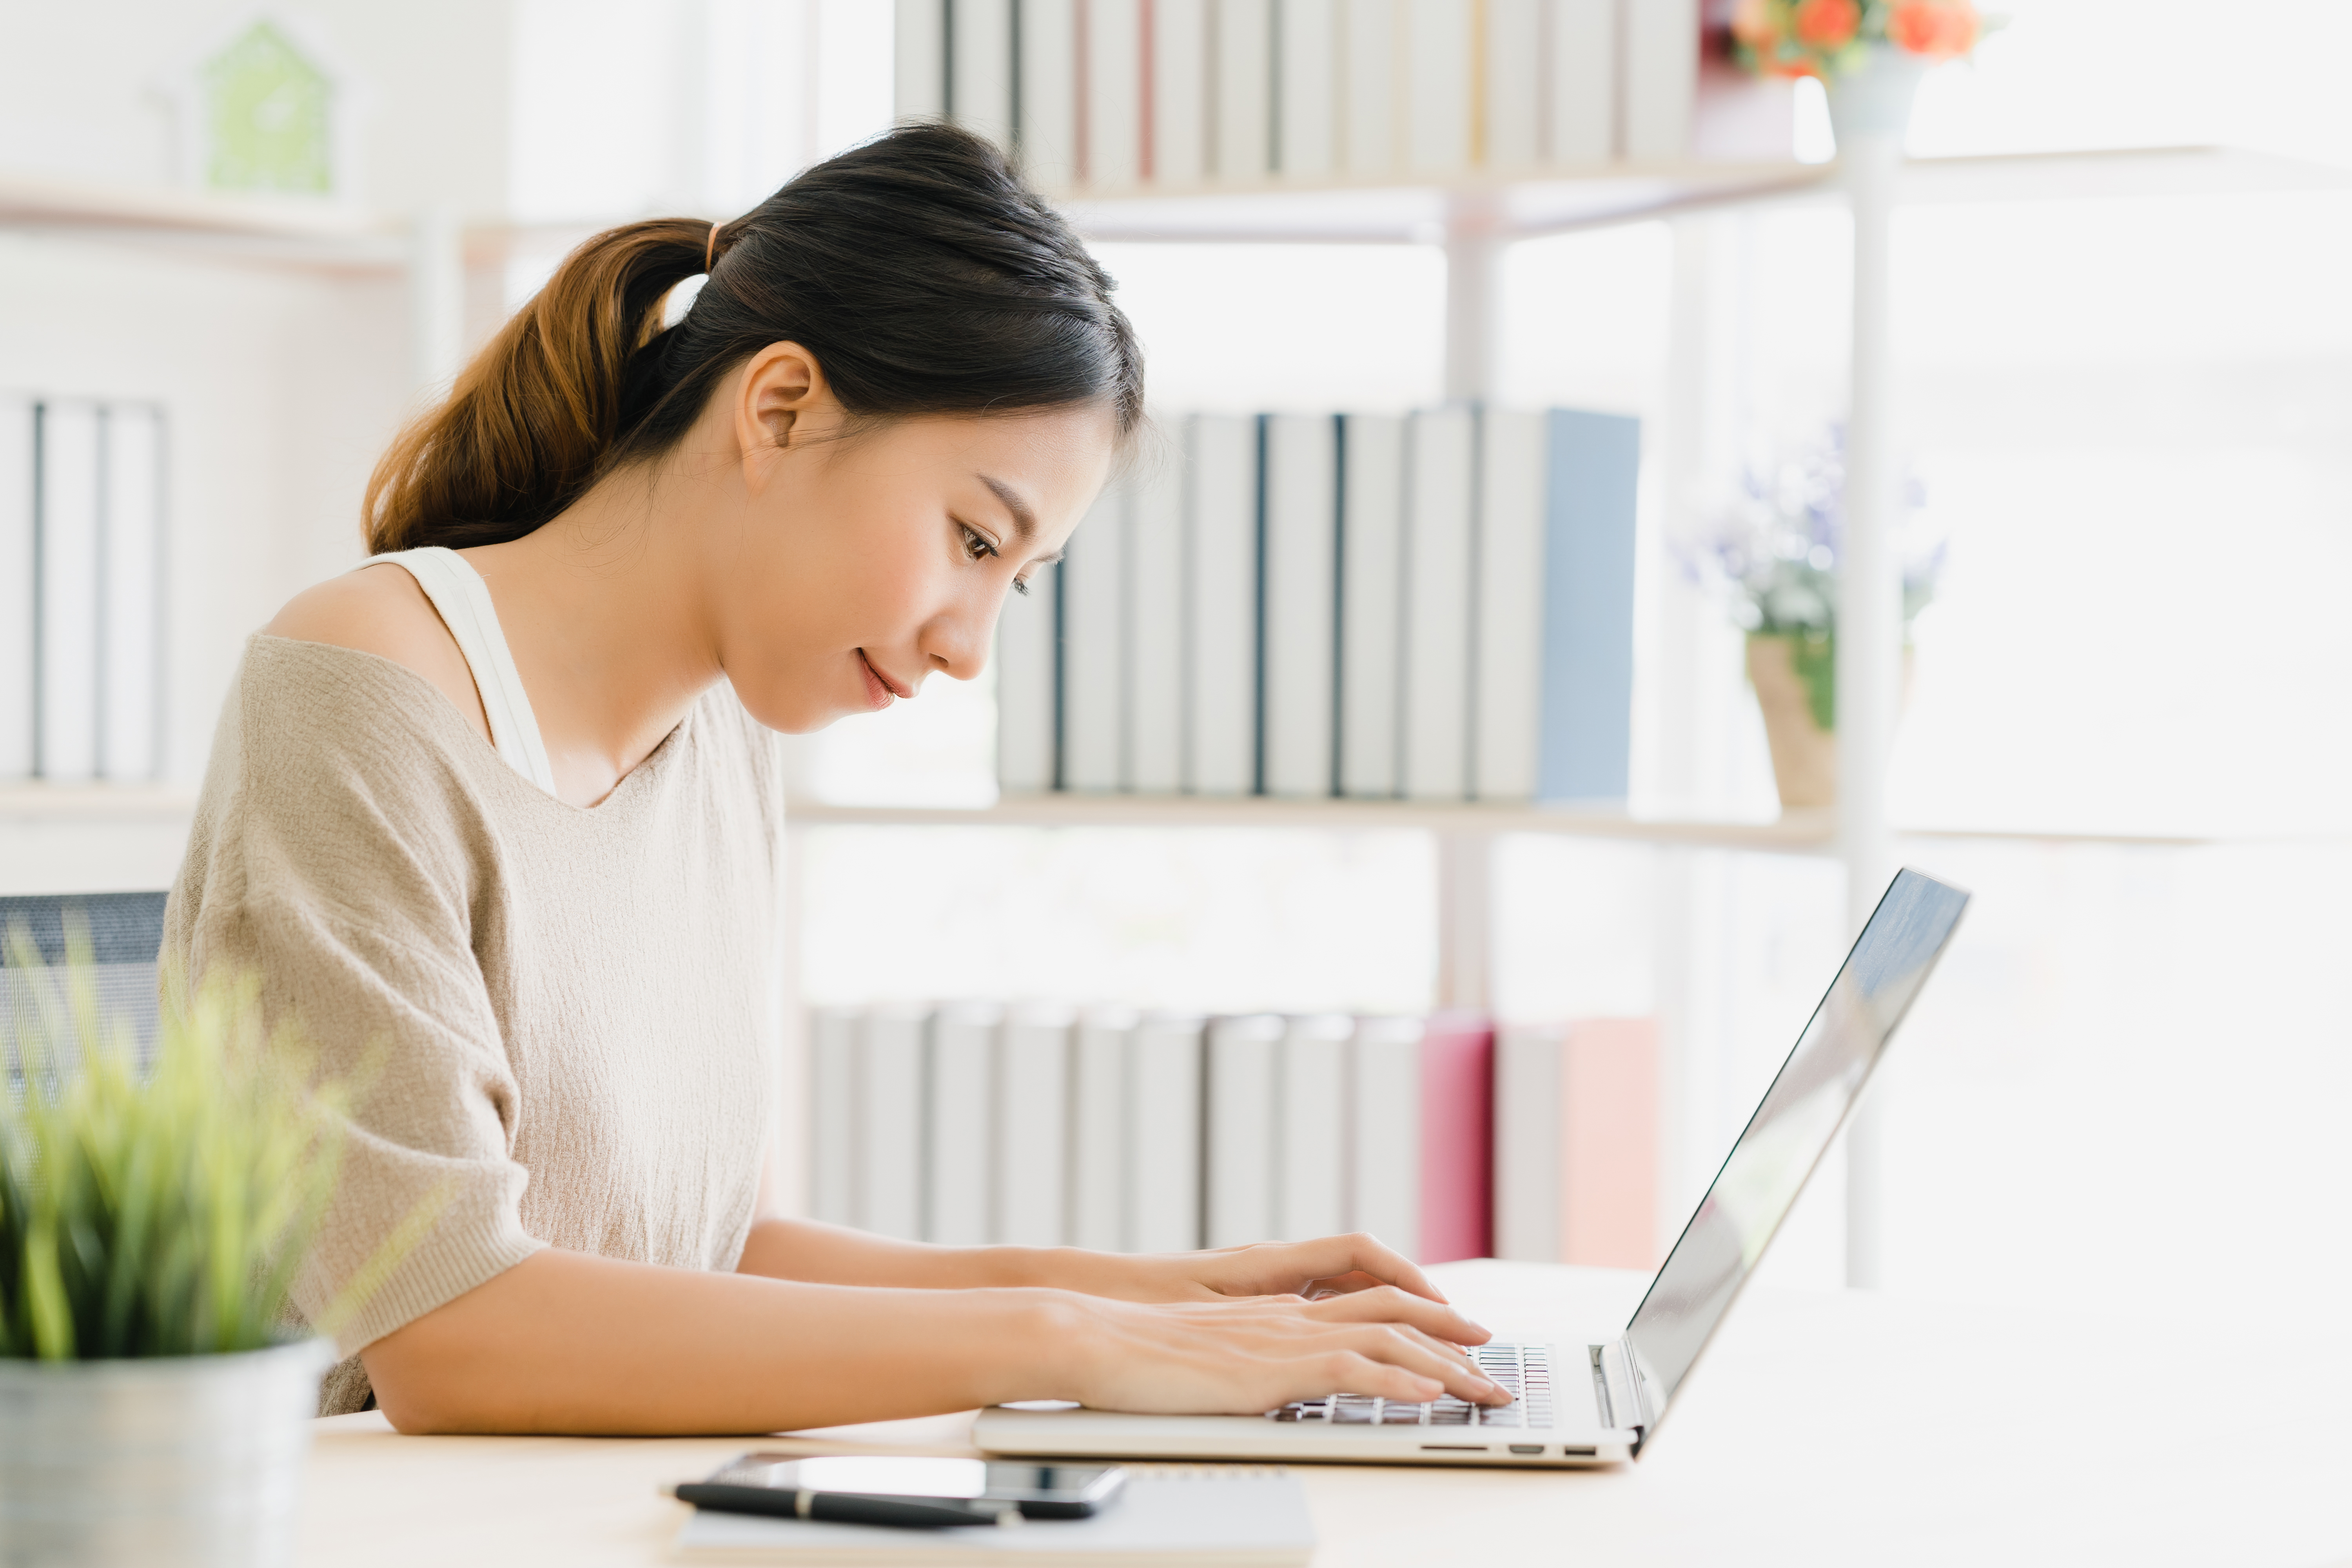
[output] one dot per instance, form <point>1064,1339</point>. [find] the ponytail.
<point>921,272</point>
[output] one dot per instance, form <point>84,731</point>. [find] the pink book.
<point>1457,1138</point>
<point>1608,1144</point>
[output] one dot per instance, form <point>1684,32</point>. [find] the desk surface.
<point>1947,1435</point>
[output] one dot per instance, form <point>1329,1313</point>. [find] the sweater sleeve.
<point>338,859</point>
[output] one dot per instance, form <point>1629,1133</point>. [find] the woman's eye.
<point>976,546</point>
<point>1021,586</point>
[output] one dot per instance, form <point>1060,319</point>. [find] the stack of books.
<point>1109,95</point>
<point>82,589</point>
<point>1151,1131</point>
<point>1437,606</point>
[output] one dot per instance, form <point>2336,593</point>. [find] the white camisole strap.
<point>461,596</point>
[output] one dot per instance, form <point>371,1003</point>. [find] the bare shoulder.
<point>380,610</point>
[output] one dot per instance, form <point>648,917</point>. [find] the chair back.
<point>126,935</point>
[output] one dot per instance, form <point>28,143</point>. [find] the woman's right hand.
<point>1251,1354</point>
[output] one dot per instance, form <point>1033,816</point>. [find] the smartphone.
<point>917,1493</point>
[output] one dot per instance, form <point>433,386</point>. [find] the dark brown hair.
<point>918,269</point>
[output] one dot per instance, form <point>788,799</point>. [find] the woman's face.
<point>867,564</point>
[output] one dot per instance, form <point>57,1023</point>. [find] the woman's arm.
<point>831,1254</point>
<point>565,1341</point>
<point>781,1249</point>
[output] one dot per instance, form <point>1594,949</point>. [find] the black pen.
<point>846,1508</point>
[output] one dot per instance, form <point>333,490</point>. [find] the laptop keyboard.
<point>1524,1372</point>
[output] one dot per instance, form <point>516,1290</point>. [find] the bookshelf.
<point>1472,216</point>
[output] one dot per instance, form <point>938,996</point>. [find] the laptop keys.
<point>1524,1372</point>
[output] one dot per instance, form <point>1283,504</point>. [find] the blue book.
<point>1586,747</point>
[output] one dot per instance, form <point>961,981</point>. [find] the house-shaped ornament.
<point>266,112</point>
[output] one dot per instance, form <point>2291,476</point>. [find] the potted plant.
<point>154,1407</point>
<point>1772,553</point>
<point>1869,54</point>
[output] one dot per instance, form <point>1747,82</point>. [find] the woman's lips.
<point>880,690</point>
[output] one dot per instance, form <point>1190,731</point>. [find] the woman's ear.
<point>782,385</point>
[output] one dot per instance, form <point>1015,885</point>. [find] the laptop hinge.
<point>1618,1386</point>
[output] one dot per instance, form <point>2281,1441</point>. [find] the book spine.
<point>1438,61</point>
<point>1098,1185</point>
<point>886,1179</point>
<point>1609,1144</point>
<point>1371,544</point>
<point>130,566</point>
<point>1114,43</point>
<point>919,61</point>
<point>1435,654</point>
<point>1156,650</point>
<point>66,531</point>
<point>1384,1132</point>
<point>1033,1080</point>
<point>1527,1136</point>
<point>1164,1134</point>
<point>1179,91</point>
<point>1221,737</point>
<point>979,67</point>
<point>833,1113</point>
<point>1028,683</point>
<point>1241,89</point>
<point>1310,1109</point>
<point>1512,72</point>
<point>1307,106</point>
<point>1509,622</point>
<point>1457,1139</point>
<point>1660,78</point>
<point>1593,475</point>
<point>1048,105</point>
<point>1093,642</point>
<point>18,620</point>
<point>1239,1159</point>
<point>1366,86</point>
<point>1301,556</point>
<point>1579,86</point>
<point>958,1125</point>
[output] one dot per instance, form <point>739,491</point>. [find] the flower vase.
<point>1874,98</point>
<point>1793,688</point>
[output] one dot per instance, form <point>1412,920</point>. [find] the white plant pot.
<point>1874,98</point>
<point>168,1463</point>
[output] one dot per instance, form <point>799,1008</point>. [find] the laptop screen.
<point>1791,1129</point>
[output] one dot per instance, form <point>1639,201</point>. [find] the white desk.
<point>1820,1430</point>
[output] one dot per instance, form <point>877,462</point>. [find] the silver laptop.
<point>1577,1403</point>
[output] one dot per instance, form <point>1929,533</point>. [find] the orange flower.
<point>1752,23</point>
<point>1828,24</point>
<point>1939,29</point>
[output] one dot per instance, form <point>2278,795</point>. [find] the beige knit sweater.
<point>562,1017</point>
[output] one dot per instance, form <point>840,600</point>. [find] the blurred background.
<point>2123,352</point>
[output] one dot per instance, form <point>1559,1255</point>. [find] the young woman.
<point>494,818</point>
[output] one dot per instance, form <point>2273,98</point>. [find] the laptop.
<point>1577,1403</point>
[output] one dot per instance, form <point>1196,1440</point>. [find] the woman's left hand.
<point>1332,1266</point>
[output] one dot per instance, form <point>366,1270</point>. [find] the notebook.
<point>1233,1516</point>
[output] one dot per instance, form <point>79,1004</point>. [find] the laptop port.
<point>1454,1448</point>
<point>1579,1453</point>
<point>1526,1448</point>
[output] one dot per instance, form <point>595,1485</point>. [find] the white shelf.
<point>95,802</point>
<point>1803,833</point>
<point>284,230</point>
<point>1513,203</point>
<point>1519,207</point>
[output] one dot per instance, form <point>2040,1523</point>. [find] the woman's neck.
<point>604,609</point>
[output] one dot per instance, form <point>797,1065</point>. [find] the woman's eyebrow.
<point>1024,521</point>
